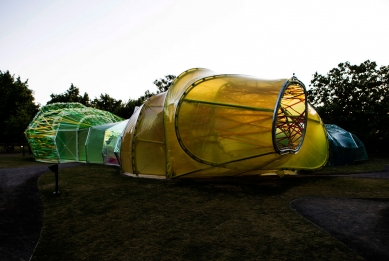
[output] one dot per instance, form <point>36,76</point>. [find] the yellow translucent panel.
<point>259,163</point>
<point>236,90</point>
<point>148,142</point>
<point>126,146</point>
<point>228,121</point>
<point>218,134</point>
<point>150,158</point>
<point>181,83</point>
<point>178,161</point>
<point>227,118</point>
<point>211,172</point>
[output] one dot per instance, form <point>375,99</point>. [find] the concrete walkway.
<point>21,211</point>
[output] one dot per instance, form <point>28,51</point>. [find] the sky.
<point>120,47</point>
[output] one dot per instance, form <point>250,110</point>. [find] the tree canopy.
<point>356,98</point>
<point>105,102</point>
<point>163,84</point>
<point>70,95</point>
<point>17,107</point>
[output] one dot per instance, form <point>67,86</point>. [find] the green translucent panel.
<point>53,133</point>
<point>112,137</point>
<point>117,149</point>
<point>67,145</point>
<point>82,135</point>
<point>95,141</point>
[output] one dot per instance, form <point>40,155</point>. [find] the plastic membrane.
<point>60,132</point>
<point>210,125</point>
<point>205,125</point>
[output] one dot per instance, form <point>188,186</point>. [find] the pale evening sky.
<point>121,47</point>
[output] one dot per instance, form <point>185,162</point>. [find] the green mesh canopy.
<point>59,131</point>
<point>344,147</point>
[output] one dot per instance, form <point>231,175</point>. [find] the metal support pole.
<point>54,168</point>
<point>56,183</point>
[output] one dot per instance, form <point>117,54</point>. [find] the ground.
<point>361,224</point>
<point>21,211</point>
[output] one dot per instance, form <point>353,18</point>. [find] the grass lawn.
<point>102,215</point>
<point>14,160</point>
<point>375,163</point>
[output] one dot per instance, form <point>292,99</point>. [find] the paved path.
<point>362,224</point>
<point>21,211</point>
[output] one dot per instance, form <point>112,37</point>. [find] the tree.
<point>70,95</point>
<point>164,84</point>
<point>17,107</point>
<point>355,97</point>
<point>127,108</point>
<point>107,103</point>
<point>146,96</point>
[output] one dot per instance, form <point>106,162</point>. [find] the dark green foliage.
<point>356,98</point>
<point>164,84</point>
<point>107,103</point>
<point>17,108</point>
<point>146,96</point>
<point>117,107</point>
<point>127,108</point>
<point>71,95</point>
